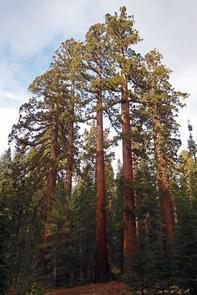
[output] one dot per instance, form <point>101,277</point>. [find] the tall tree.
<point>160,105</point>
<point>122,37</point>
<point>68,60</point>
<point>32,137</point>
<point>49,86</point>
<point>38,132</point>
<point>94,64</point>
<point>192,146</point>
<point>186,227</point>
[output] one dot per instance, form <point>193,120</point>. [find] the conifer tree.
<point>5,229</point>
<point>160,105</point>
<point>23,214</point>
<point>95,66</point>
<point>186,227</point>
<point>68,61</point>
<point>50,88</point>
<point>122,37</point>
<point>192,146</point>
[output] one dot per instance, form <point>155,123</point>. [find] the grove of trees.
<point>66,217</point>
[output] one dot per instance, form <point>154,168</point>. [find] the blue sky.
<point>31,30</point>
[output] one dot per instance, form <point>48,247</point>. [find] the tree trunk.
<point>166,203</point>
<point>69,166</point>
<point>70,143</point>
<point>102,267</point>
<point>129,222</point>
<point>50,188</point>
<point>52,172</point>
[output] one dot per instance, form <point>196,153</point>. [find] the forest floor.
<point>111,288</point>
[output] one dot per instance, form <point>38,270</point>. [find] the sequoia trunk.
<point>69,156</point>
<point>102,267</point>
<point>52,170</point>
<point>166,203</point>
<point>129,222</point>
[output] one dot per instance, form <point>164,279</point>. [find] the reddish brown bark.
<point>52,170</point>
<point>70,144</point>
<point>129,222</point>
<point>102,267</point>
<point>166,203</point>
<point>69,156</point>
<point>50,188</point>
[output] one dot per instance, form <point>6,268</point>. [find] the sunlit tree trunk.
<point>129,239</point>
<point>52,170</point>
<point>166,203</point>
<point>70,145</point>
<point>102,268</point>
<point>69,157</point>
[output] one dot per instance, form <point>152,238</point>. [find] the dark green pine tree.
<point>186,243</point>
<point>192,147</point>
<point>82,222</point>
<point>150,270</point>
<point>5,228</point>
<point>115,223</point>
<point>82,210</point>
<point>186,229</point>
<point>22,211</point>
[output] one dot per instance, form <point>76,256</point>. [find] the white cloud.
<point>8,72</point>
<point>10,99</point>
<point>8,117</point>
<point>27,26</point>
<point>12,92</point>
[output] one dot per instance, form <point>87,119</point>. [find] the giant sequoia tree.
<point>95,65</point>
<point>50,88</point>
<point>68,61</point>
<point>122,37</point>
<point>160,106</point>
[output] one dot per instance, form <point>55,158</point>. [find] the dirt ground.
<point>111,288</point>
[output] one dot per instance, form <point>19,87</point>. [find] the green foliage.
<point>83,226</point>
<point>114,219</point>
<point>186,244</point>
<point>4,245</point>
<point>22,222</point>
<point>54,249</point>
<point>149,266</point>
<point>186,227</point>
<point>192,146</point>
<point>26,287</point>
